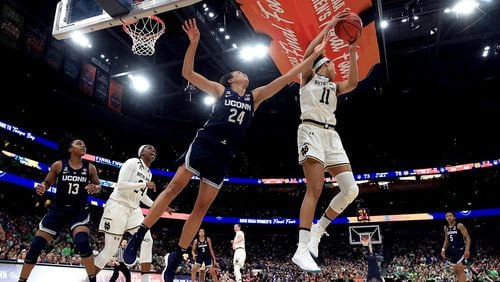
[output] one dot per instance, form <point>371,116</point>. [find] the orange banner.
<point>115,96</point>
<point>292,24</point>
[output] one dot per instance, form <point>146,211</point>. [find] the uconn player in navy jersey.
<point>456,245</point>
<point>212,149</point>
<point>75,179</point>
<point>320,148</point>
<point>203,253</point>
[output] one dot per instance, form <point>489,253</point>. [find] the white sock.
<point>324,222</point>
<point>304,236</point>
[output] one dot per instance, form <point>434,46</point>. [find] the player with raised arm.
<point>214,146</point>
<point>320,148</point>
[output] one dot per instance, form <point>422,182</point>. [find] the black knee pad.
<point>37,246</point>
<point>82,243</point>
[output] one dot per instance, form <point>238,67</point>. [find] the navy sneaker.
<point>172,261</point>
<point>130,253</point>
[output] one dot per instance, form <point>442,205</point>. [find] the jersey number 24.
<point>234,117</point>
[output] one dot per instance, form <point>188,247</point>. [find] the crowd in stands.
<point>268,255</point>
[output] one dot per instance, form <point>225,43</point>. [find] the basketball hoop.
<point>144,33</point>
<point>365,239</point>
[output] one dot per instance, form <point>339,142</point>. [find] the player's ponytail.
<point>224,80</point>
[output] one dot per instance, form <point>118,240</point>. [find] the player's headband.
<point>140,150</point>
<point>320,63</point>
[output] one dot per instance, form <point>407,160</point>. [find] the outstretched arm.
<point>264,92</point>
<point>318,39</point>
<point>201,82</point>
<point>350,84</point>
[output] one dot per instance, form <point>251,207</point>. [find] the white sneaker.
<point>316,233</point>
<point>303,259</point>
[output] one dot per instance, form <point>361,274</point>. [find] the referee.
<point>119,265</point>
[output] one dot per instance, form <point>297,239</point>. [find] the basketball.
<point>349,28</point>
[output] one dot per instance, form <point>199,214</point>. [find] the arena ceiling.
<point>430,101</point>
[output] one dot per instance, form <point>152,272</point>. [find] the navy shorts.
<point>456,255</point>
<point>207,160</point>
<point>57,218</point>
<point>204,259</point>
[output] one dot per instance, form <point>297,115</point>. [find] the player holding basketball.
<point>320,148</point>
<point>203,252</point>
<point>122,212</point>
<point>212,149</point>
<point>239,252</point>
<point>457,242</point>
<point>75,179</point>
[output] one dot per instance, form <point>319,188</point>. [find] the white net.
<point>144,33</point>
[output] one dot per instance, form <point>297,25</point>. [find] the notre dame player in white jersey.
<point>122,212</point>
<point>239,252</point>
<point>320,148</point>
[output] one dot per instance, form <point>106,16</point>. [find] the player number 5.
<point>232,117</point>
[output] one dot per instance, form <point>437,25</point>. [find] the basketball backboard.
<point>88,16</point>
<point>356,233</point>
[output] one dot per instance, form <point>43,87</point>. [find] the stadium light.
<point>139,83</point>
<point>249,53</point>
<point>384,24</point>
<point>465,7</point>
<point>209,100</point>
<point>80,39</point>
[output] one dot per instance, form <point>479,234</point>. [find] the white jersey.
<point>318,100</point>
<point>240,244</point>
<point>131,187</point>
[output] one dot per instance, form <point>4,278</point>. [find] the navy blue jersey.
<point>230,118</point>
<point>202,248</point>
<point>71,184</point>
<point>455,237</point>
<point>373,269</point>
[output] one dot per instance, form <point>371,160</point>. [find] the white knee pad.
<point>146,253</point>
<point>111,243</point>
<point>348,191</point>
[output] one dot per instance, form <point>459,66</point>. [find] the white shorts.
<point>239,257</point>
<point>118,218</point>
<point>323,145</point>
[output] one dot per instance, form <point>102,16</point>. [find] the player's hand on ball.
<point>354,44</point>
<point>337,18</point>
<point>41,188</point>
<point>151,185</point>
